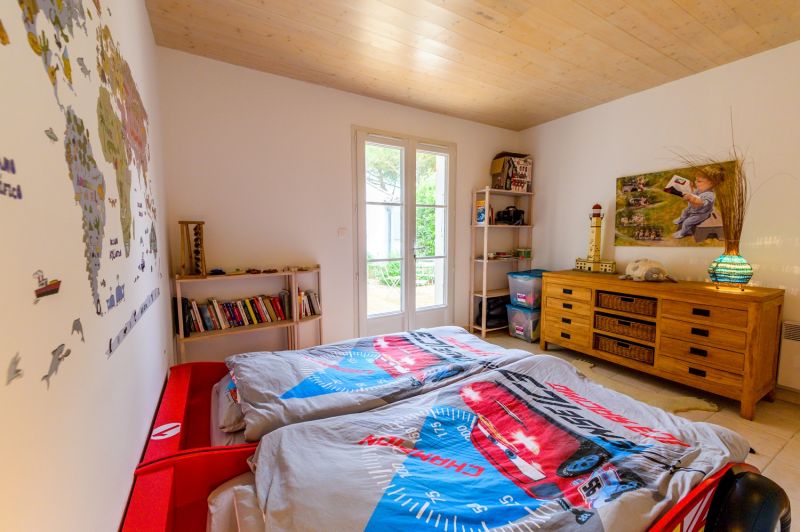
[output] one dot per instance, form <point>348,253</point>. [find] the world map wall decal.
<point>109,137</point>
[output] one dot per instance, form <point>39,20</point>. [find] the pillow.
<point>229,413</point>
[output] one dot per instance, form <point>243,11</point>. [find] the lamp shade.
<point>730,268</point>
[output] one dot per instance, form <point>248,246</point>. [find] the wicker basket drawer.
<point>568,292</point>
<point>646,306</point>
<point>703,334</point>
<point>630,350</point>
<point>705,377</point>
<point>565,306</point>
<point>701,354</point>
<point>704,313</point>
<point>641,330</point>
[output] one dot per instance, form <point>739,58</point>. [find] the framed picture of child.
<point>671,208</point>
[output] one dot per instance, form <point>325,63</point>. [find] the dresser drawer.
<point>567,306</point>
<point>568,324</point>
<point>566,320</point>
<point>704,313</point>
<point>570,335</point>
<point>702,354</point>
<point>700,333</point>
<point>568,292</point>
<point>702,376</point>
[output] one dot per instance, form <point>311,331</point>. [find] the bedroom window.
<point>403,191</point>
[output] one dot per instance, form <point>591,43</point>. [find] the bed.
<point>525,444</point>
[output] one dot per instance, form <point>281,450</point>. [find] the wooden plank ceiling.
<point>508,63</point>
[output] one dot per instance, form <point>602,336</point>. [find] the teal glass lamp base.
<point>730,269</point>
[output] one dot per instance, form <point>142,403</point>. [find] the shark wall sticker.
<point>14,371</point>
<point>57,356</point>
<point>77,327</point>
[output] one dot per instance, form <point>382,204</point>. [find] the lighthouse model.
<point>593,262</point>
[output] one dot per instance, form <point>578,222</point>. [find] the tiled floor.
<point>774,433</point>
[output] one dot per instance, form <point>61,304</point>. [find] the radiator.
<point>789,371</point>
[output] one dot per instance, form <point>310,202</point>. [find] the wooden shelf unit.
<point>723,341</point>
<point>290,326</point>
<point>301,278</point>
<point>521,235</point>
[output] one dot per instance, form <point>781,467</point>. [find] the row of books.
<point>309,304</point>
<point>218,315</point>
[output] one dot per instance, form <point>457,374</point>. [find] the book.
<point>242,313</point>
<point>679,186</point>
<point>263,309</point>
<point>276,304</point>
<point>286,304</point>
<point>250,312</point>
<point>270,309</point>
<point>257,309</point>
<point>198,322</point>
<point>206,317</point>
<point>228,316</point>
<point>237,314</point>
<point>215,325</point>
<point>312,296</point>
<point>220,315</point>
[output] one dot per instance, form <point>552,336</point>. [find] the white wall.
<point>579,157</point>
<point>68,452</point>
<point>266,161</point>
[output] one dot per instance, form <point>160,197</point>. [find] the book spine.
<point>197,319</point>
<point>262,309</point>
<point>212,313</point>
<point>270,309</point>
<point>257,309</point>
<point>237,314</point>
<point>276,304</point>
<point>221,315</point>
<point>228,317</point>
<point>242,313</point>
<point>250,312</point>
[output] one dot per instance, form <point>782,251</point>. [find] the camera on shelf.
<point>510,216</point>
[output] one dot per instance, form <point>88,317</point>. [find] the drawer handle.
<point>566,320</point>
<point>697,351</point>
<point>698,372</point>
<point>567,291</point>
<point>566,305</point>
<point>566,335</point>
<point>627,299</point>
<point>701,312</point>
<point>623,345</point>
<point>624,323</point>
<point>699,332</point>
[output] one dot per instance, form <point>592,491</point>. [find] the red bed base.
<point>182,421</point>
<point>171,495</point>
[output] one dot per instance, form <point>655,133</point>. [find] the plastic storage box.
<point>525,288</point>
<point>523,323</point>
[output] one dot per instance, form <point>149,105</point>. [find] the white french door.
<point>404,210</point>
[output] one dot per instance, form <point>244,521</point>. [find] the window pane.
<point>431,283</point>
<point>384,232</point>
<point>384,287</point>
<point>384,173</point>
<point>431,178</point>
<point>431,230</point>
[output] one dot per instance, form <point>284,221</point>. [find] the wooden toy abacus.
<point>193,254</point>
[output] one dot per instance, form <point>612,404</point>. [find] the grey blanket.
<point>281,388</point>
<point>532,445</point>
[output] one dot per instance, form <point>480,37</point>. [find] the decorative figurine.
<point>646,270</point>
<point>593,263</point>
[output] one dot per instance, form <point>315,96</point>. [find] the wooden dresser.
<point>723,341</point>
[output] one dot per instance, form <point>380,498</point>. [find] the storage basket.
<point>627,303</point>
<point>624,349</point>
<point>626,327</point>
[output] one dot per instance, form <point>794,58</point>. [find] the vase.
<point>730,268</point>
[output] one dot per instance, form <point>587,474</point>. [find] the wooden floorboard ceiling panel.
<point>506,63</point>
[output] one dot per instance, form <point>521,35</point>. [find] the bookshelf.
<point>488,276</point>
<point>241,286</point>
<point>308,279</point>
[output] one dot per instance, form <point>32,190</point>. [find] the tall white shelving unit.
<point>488,237</point>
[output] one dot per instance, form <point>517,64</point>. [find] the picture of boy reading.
<point>700,203</point>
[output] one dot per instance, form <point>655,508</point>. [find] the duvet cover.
<point>528,446</point>
<point>282,388</point>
